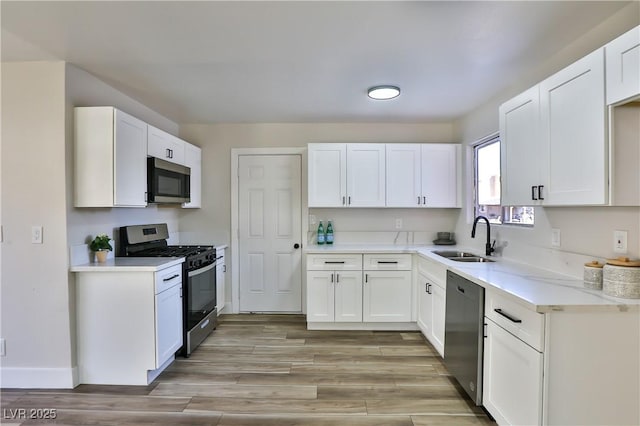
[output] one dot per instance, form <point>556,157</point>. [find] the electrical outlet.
<point>555,237</point>
<point>36,234</point>
<point>312,219</point>
<point>619,241</point>
<point>3,347</point>
<point>398,223</point>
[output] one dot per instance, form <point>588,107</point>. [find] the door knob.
<point>296,246</point>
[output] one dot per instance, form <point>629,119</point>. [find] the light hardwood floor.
<point>267,370</point>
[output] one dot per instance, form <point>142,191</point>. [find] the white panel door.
<point>623,66</point>
<point>403,186</point>
<point>512,379</point>
<point>269,227</point>
<point>130,153</point>
<point>521,153</point>
<point>366,175</point>
<point>348,296</point>
<point>573,122</point>
<point>440,175</point>
<point>327,174</point>
<point>387,296</point>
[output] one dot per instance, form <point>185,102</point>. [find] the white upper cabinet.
<point>115,144</point>
<point>404,168</point>
<point>554,141</point>
<point>327,174</point>
<point>422,175</point>
<point>521,149</point>
<point>346,175</point>
<point>193,160</point>
<point>165,146</point>
<point>623,67</point>
<point>440,177</point>
<point>366,175</point>
<point>573,124</point>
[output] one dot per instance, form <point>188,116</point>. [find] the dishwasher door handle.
<point>507,316</point>
<point>460,289</point>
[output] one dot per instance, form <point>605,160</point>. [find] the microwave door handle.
<point>201,270</point>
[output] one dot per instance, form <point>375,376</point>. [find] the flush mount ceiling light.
<point>383,92</point>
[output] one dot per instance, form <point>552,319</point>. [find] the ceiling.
<point>300,61</point>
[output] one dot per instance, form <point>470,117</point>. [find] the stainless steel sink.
<point>462,256</point>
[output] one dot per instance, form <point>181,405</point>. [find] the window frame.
<point>505,211</point>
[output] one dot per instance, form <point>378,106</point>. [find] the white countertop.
<point>541,290</point>
<point>129,264</point>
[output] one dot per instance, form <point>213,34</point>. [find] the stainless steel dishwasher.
<point>463,335</point>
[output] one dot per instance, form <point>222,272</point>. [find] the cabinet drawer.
<point>387,262</point>
<point>436,271</point>
<point>167,278</point>
<point>522,322</point>
<point>334,262</point>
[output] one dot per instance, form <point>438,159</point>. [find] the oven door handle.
<point>201,270</point>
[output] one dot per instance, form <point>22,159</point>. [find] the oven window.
<point>201,294</point>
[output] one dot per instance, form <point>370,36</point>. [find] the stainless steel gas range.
<point>199,277</point>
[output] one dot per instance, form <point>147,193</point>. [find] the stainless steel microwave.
<point>167,182</point>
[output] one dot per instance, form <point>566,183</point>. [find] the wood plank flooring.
<point>268,370</point>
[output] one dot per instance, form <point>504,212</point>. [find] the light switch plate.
<point>619,241</point>
<point>555,237</point>
<point>36,234</point>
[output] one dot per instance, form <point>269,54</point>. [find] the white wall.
<point>212,223</point>
<point>586,232</point>
<point>38,316</point>
<point>35,297</point>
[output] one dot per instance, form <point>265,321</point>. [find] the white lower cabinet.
<point>512,384</point>
<point>334,296</point>
<point>221,274</point>
<point>339,291</point>
<point>387,296</point>
<point>168,323</point>
<point>431,286</point>
<point>129,324</point>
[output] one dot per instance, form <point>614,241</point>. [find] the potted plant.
<point>100,245</point>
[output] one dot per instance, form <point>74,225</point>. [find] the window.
<point>487,188</point>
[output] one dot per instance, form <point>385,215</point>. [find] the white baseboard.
<point>38,378</point>
<point>376,326</point>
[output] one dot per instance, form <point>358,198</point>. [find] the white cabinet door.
<point>320,296</point>
<point>221,269</point>
<point>168,323</point>
<point>440,175</point>
<point>403,171</point>
<point>573,124</point>
<point>114,143</point>
<point>193,160</point>
<point>438,304</point>
<point>165,146</point>
<point>387,296</point>
<point>521,149</point>
<point>348,296</point>
<point>130,172</point>
<point>512,378</point>
<point>366,175</point>
<point>623,67</point>
<point>327,174</point>
<point>424,306</point>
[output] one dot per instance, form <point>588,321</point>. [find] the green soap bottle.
<point>329,235</point>
<point>320,234</point>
